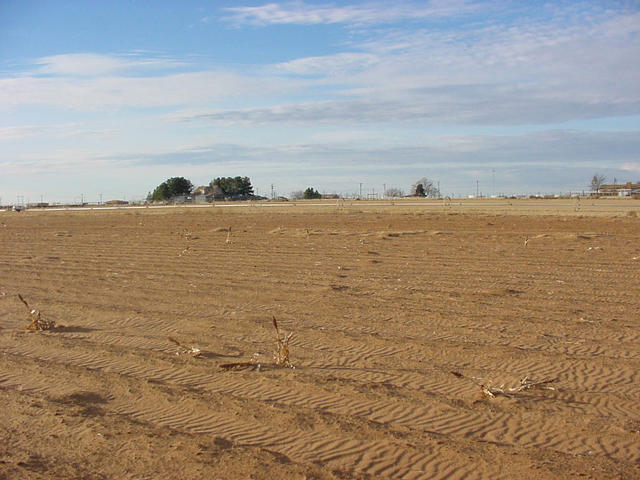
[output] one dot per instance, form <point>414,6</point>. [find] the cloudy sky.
<point>113,98</point>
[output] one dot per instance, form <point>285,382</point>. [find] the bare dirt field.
<point>399,316</point>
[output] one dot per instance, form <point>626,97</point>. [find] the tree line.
<point>240,188</point>
<point>228,187</point>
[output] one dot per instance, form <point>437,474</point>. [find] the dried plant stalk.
<point>525,384</point>
<point>184,350</point>
<point>229,235</point>
<point>37,322</point>
<point>281,355</point>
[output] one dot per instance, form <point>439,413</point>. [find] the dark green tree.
<point>425,188</point>
<point>310,193</point>
<point>170,188</point>
<point>234,186</point>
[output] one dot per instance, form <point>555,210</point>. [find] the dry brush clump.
<point>492,391</point>
<point>184,350</point>
<point>38,323</point>
<point>188,236</point>
<point>281,354</point>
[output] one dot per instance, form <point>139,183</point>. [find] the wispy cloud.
<point>543,148</point>
<point>88,94</point>
<point>493,104</point>
<point>301,13</point>
<point>631,167</point>
<point>67,130</point>
<point>23,131</point>
<point>522,162</point>
<point>329,65</point>
<point>91,64</point>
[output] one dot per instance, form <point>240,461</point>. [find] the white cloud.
<point>91,64</point>
<point>329,65</point>
<point>526,161</point>
<point>492,104</point>
<point>67,130</point>
<point>301,13</point>
<point>631,167</point>
<point>116,92</point>
<point>22,131</point>
<point>536,71</point>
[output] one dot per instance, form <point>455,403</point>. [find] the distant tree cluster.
<point>231,187</point>
<point>171,188</point>
<point>240,188</point>
<point>310,193</point>
<point>394,193</point>
<point>234,187</point>
<point>425,188</point>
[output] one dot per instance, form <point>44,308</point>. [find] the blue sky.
<point>113,98</point>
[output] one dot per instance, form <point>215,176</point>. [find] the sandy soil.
<point>384,304</point>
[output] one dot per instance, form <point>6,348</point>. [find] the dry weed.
<point>525,384</point>
<point>228,235</point>
<point>37,322</point>
<point>184,350</point>
<point>188,235</point>
<point>281,355</point>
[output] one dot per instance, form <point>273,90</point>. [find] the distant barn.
<point>619,190</point>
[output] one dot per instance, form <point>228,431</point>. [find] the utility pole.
<point>384,190</point>
<point>477,188</point>
<point>493,189</point>
<point>272,196</point>
<point>360,195</point>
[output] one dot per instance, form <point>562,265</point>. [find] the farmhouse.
<point>620,190</point>
<point>207,193</point>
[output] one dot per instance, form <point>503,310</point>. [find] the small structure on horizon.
<point>619,190</point>
<point>207,194</point>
